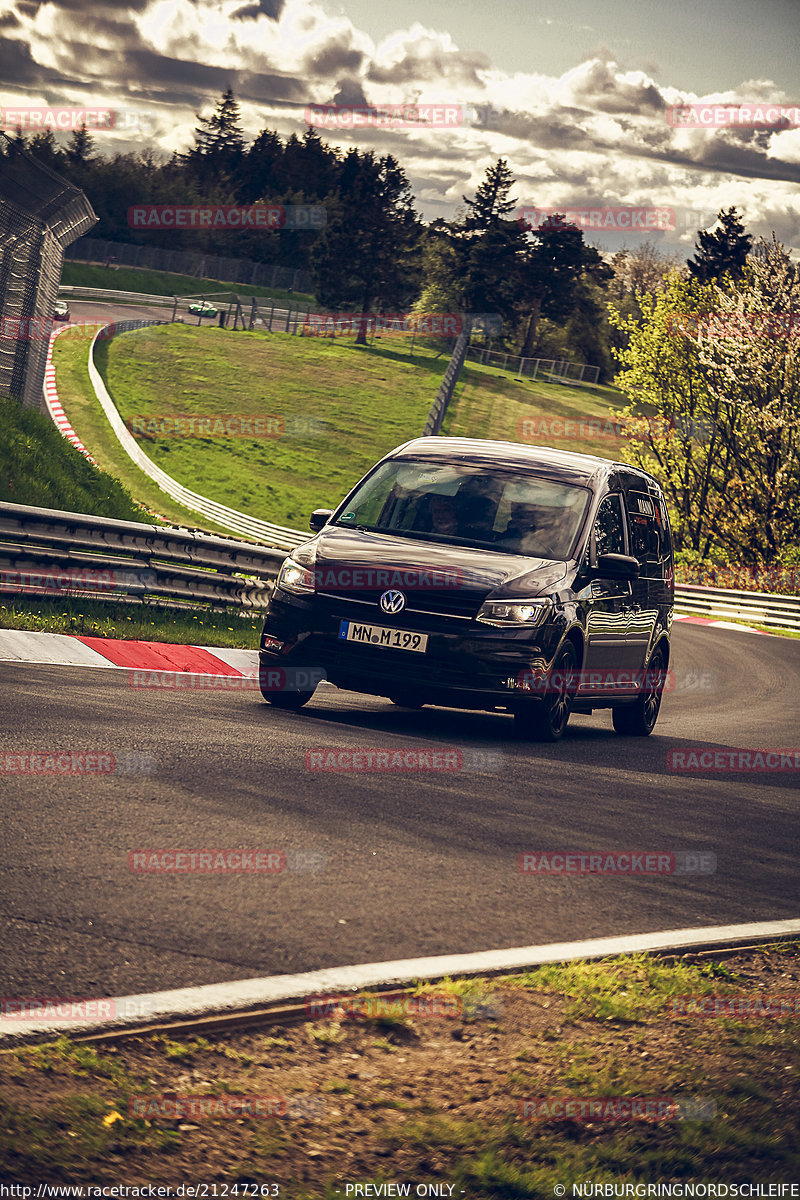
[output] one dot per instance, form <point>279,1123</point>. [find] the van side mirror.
<point>319,517</point>
<point>617,566</point>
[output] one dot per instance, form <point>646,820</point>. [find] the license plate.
<point>381,635</point>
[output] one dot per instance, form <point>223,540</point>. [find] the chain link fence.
<point>190,262</point>
<point>40,215</point>
<point>550,370</point>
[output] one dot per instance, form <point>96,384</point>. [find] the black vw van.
<point>483,575</point>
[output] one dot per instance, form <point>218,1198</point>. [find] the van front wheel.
<point>545,720</point>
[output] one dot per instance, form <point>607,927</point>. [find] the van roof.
<point>565,465</point>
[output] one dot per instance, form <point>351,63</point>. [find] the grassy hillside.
<point>40,467</point>
<point>490,403</point>
<point>338,407</point>
<point>88,420</point>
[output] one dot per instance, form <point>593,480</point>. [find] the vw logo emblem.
<point>392,602</point>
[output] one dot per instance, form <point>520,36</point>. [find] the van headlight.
<point>521,612</point>
<point>296,576</point>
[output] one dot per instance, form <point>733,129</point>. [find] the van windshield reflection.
<point>458,504</point>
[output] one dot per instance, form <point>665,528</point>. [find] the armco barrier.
<point>446,388</point>
<point>770,609</point>
<point>175,565</point>
<point>47,552</point>
<point>229,518</point>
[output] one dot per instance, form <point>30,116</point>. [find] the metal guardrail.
<point>87,293</point>
<point>771,609</point>
<point>214,267</point>
<point>436,416</point>
<point>220,299</point>
<point>229,518</point>
<point>79,554</point>
<point>46,552</point>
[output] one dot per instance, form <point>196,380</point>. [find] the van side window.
<point>645,523</point>
<point>609,530</point>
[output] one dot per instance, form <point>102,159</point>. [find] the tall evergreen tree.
<point>492,247</point>
<point>80,146</point>
<point>553,265</point>
<point>722,251</point>
<point>44,147</point>
<point>492,202</point>
<point>218,143</point>
<point>363,256</point>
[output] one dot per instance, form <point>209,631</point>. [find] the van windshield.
<point>498,508</point>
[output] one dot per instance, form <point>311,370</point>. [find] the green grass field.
<point>490,403</point>
<point>164,283</point>
<point>40,467</point>
<point>354,403</point>
<point>88,420</point>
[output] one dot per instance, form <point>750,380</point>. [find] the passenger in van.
<point>443,514</point>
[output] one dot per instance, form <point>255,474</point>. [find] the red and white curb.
<point>62,649</point>
<point>70,650</point>
<point>54,404</point>
<point>127,1012</point>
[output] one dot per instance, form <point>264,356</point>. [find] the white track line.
<point>126,1012</point>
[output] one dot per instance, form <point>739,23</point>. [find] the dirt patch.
<point>376,1093</point>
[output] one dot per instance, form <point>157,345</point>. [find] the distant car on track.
<point>61,311</point>
<point>202,308</point>
<point>483,575</point>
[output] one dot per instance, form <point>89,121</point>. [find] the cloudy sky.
<point>575,96</point>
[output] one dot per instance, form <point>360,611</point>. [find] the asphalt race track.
<point>394,864</point>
